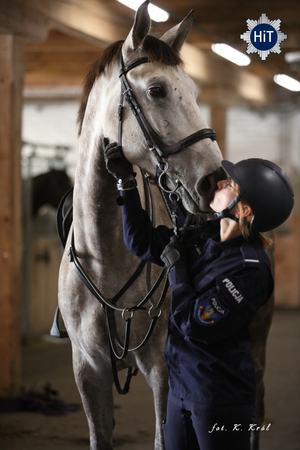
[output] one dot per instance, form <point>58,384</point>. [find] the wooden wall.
<point>287,265</point>
<point>11,85</point>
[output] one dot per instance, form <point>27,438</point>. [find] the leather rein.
<point>109,305</point>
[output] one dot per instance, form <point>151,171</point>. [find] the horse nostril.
<point>205,185</point>
<point>208,185</point>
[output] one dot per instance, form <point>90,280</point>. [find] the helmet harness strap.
<point>226,211</point>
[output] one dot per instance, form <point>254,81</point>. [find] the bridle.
<point>156,145</point>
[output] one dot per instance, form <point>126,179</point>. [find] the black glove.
<point>116,163</point>
<point>174,253</point>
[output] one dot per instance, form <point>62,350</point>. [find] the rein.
<point>109,305</point>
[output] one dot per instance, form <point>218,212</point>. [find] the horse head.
<point>167,97</point>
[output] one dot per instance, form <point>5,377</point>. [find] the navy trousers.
<point>195,426</point>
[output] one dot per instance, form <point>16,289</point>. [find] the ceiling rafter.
<point>79,30</point>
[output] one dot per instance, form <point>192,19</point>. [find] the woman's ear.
<point>245,210</point>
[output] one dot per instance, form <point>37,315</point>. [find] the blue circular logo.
<point>263,36</point>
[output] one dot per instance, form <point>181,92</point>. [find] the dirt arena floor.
<point>49,362</point>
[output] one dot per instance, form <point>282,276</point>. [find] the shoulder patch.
<point>210,312</point>
<point>231,291</point>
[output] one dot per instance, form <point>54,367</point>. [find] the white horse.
<point>168,100</point>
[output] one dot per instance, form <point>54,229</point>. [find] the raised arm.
<point>140,237</point>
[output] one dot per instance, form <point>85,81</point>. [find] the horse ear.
<point>138,32</point>
<point>178,34</point>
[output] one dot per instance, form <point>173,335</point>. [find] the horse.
<point>48,188</point>
<point>160,110</point>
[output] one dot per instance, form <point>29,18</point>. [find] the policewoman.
<point>219,276</point>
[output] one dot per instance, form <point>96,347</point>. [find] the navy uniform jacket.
<point>214,298</point>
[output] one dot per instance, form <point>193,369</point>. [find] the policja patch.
<point>231,291</point>
<point>211,312</point>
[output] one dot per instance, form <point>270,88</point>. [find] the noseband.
<point>156,145</point>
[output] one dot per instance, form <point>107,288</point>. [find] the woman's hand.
<point>174,253</point>
<point>116,163</point>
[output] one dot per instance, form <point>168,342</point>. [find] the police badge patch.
<point>263,36</point>
<point>211,312</point>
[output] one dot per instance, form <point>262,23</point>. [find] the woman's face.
<point>227,190</point>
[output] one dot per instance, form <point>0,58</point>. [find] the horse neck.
<point>97,217</point>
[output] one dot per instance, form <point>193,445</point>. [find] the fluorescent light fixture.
<point>157,14</point>
<point>231,54</point>
<point>287,82</point>
<point>292,57</point>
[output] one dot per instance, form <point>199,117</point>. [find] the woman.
<point>219,276</point>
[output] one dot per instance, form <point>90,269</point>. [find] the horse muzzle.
<point>207,186</point>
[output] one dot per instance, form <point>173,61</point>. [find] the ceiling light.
<point>287,82</point>
<point>292,57</point>
<point>157,14</point>
<point>231,54</point>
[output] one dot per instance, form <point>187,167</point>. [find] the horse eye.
<point>156,91</point>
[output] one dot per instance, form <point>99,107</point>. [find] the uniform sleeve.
<point>140,237</point>
<point>224,309</point>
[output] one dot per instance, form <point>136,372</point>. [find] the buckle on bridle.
<point>127,314</point>
<point>151,312</point>
<point>164,167</point>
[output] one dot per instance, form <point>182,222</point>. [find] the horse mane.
<point>157,51</point>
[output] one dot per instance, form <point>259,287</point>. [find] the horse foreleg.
<point>157,379</point>
<point>95,387</point>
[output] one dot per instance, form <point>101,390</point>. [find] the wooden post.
<point>11,85</point>
<point>218,123</point>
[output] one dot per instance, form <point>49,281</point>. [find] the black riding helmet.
<point>265,187</point>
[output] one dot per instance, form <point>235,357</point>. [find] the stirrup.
<point>55,330</point>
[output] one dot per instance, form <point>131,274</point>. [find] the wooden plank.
<point>89,19</point>
<point>45,257</point>
<point>287,263</point>
<point>44,79</point>
<point>60,61</point>
<point>11,84</point>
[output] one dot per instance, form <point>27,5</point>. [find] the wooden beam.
<point>212,72</point>
<point>86,19</point>
<point>209,70</point>
<point>11,85</point>
<point>19,19</point>
<point>219,95</point>
<point>59,61</point>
